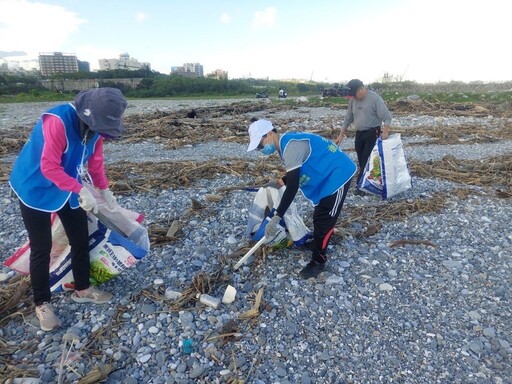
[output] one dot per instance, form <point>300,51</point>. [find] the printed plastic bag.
<point>125,221</point>
<point>267,199</point>
<point>280,239</point>
<point>110,252</point>
<point>386,173</point>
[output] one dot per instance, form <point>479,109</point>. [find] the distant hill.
<point>4,54</point>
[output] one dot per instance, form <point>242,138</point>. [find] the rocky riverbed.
<point>418,287</point>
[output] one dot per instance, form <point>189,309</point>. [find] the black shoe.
<point>307,246</point>
<point>358,192</point>
<point>313,269</point>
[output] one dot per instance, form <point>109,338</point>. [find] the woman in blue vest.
<point>47,178</point>
<point>319,169</point>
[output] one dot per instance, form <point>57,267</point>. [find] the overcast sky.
<point>321,40</point>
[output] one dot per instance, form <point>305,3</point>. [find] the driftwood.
<point>372,216</point>
<point>229,123</point>
<point>98,374</point>
<point>201,283</point>
<point>255,310</point>
<point>411,241</point>
<point>13,294</point>
<point>493,171</point>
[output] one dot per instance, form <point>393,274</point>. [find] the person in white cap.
<point>47,178</point>
<point>317,167</point>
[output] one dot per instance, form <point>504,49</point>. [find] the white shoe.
<point>47,318</point>
<point>91,295</point>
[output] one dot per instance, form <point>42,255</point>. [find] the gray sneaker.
<point>91,295</point>
<point>47,318</point>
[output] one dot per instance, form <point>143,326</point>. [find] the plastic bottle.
<point>171,294</point>
<point>209,300</point>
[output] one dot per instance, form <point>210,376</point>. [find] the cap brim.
<point>110,130</point>
<point>257,130</point>
<point>253,144</point>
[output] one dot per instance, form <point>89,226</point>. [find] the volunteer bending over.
<point>319,169</point>
<point>47,177</point>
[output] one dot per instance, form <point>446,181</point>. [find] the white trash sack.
<point>267,199</point>
<point>386,173</point>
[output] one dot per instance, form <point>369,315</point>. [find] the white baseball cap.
<point>257,130</point>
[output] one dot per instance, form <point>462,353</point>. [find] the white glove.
<point>87,201</point>
<point>271,229</point>
<point>274,232</point>
<point>109,198</point>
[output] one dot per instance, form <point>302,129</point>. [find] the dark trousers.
<point>324,219</point>
<point>364,144</point>
<point>38,225</point>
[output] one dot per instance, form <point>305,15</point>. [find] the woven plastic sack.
<point>386,173</point>
<point>111,251</point>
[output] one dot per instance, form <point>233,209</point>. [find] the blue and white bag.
<point>265,201</point>
<point>111,251</point>
<point>386,173</point>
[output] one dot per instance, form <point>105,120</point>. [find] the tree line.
<point>155,84</point>
<point>158,85</point>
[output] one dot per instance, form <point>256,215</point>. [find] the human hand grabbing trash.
<point>274,184</point>
<point>109,198</point>
<point>274,237</point>
<point>274,231</point>
<point>272,227</point>
<point>87,201</point>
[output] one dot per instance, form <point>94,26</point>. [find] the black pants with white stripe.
<point>324,219</point>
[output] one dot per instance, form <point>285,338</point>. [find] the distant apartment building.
<point>194,67</point>
<point>57,62</point>
<point>191,70</point>
<point>84,66</point>
<point>219,74</point>
<point>4,68</point>
<point>124,62</point>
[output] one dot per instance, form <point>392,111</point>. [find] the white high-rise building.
<point>194,67</point>
<point>124,62</point>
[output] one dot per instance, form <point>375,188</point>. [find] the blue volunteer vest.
<point>27,180</point>
<point>326,169</point>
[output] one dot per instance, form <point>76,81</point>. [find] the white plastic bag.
<point>267,199</point>
<point>386,173</point>
<point>279,240</point>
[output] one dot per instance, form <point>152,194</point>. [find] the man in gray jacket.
<point>371,118</point>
